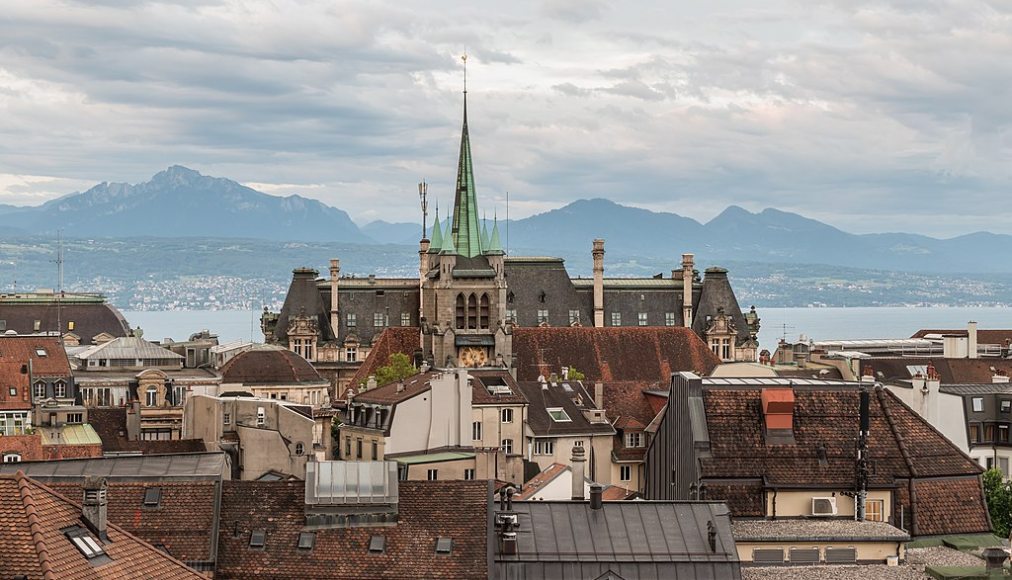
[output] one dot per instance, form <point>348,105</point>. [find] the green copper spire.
<point>494,245</point>
<point>448,242</point>
<point>437,234</point>
<point>466,233</point>
<point>484,233</point>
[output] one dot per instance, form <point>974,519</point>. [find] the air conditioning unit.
<point>823,506</point>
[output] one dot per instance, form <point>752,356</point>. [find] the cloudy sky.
<point>891,115</point>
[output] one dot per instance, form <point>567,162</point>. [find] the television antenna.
<point>784,327</point>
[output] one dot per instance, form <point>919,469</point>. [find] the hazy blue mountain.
<point>180,202</point>
<point>393,233</point>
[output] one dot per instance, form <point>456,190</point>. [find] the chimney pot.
<point>577,461</point>
<point>596,491</point>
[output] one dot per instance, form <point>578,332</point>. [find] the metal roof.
<point>211,465</point>
<point>432,457</point>
<point>630,283</point>
<point>129,347</point>
<point>70,435</point>
<point>632,539</point>
<point>978,389</point>
<point>774,382</point>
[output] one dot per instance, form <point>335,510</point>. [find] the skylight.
<point>40,351</point>
<point>307,540</point>
<point>377,544</point>
<point>257,539</point>
<point>558,415</point>
<point>84,542</point>
<point>444,545</point>
<point>152,496</point>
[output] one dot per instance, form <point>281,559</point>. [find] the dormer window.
<point>634,439</point>
<point>377,544</point>
<point>39,390</point>
<point>257,539</point>
<point>60,389</point>
<point>558,415</point>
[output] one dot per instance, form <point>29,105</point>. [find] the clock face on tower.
<point>471,356</point>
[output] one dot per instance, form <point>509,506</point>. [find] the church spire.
<point>437,234</point>
<point>466,232</point>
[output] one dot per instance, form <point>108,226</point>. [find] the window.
<point>476,431</point>
<point>75,418</point>
<point>261,416</point>
<point>39,390</point>
<point>507,415</point>
<point>375,450</point>
<point>350,320</point>
<point>12,458</point>
<point>300,449</point>
<point>472,312</point>
<point>84,542</point>
<point>642,318</point>
<point>351,354</point>
<point>41,352</point>
<point>625,472</point>
<point>578,443</point>
<point>444,545</point>
<point>379,320</point>
<point>634,439</point>
<point>483,311</point>
<point>974,433</point>
<point>616,319</point>
<point>511,315</point>
<point>558,415</point>
<point>544,447</point>
<point>1002,433</point>
<point>60,389</point>
<point>1006,405</point>
<point>307,540</point>
<point>347,447</point>
<point>358,449</point>
<point>542,316</point>
<point>14,391</point>
<point>461,321</point>
<point>377,544</point>
<point>1003,465</point>
<point>70,325</point>
<point>469,474</point>
<point>405,319</point>
<point>507,446</point>
<point>725,348</point>
<point>988,433</point>
<point>37,325</point>
<point>669,319</point>
<point>152,496</point>
<point>226,418</point>
<point>432,474</point>
<point>151,397</point>
<point>978,404</point>
<point>257,539</point>
<point>574,317</point>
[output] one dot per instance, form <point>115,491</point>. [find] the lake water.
<point>817,323</point>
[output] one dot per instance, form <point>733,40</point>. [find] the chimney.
<point>565,373</point>
<point>596,500</point>
<point>94,506</point>
<point>863,468</point>
<point>778,414</point>
<point>868,374</point>
<point>688,265</point>
<point>335,271</point>
<point>598,254</point>
<point>577,462</point>
<point>995,562</point>
<point>971,339</point>
<point>999,376</point>
<point>133,421</point>
<point>599,394</point>
<point>370,383</point>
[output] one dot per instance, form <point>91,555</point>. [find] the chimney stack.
<point>577,462</point>
<point>596,499</point>
<point>863,469</point>
<point>95,505</point>
<point>599,394</point>
<point>971,339</point>
<point>778,414</point>
<point>335,271</point>
<point>688,266</point>
<point>598,254</point>
<point>932,386</point>
<point>999,376</point>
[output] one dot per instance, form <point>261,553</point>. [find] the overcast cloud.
<point>872,116</point>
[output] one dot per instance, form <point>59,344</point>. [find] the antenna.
<point>507,222</point>
<point>464,59</point>
<point>784,327</point>
<point>59,288</point>
<point>423,198</point>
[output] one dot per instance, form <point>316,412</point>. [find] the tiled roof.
<point>89,319</point>
<point>11,377</point>
<point>389,394</point>
<point>22,349</point>
<point>641,353</point>
<point>182,522</point>
<point>901,446</point>
<point>110,424</point>
<point>534,484</point>
<point>556,396</point>
<point>393,340</point>
<point>484,379</point>
<point>427,511</point>
<point>33,516</point>
<point>984,336</point>
<point>269,365</point>
<point>944,505</point>
<point>627,404</point>
<point>950,370</point>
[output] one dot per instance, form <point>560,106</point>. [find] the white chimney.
<point>933,384</point>
<point>971,339</point>
<point>577,463</point>
<point>599,394</point>
<point>688,266</point>
<point>335,271</point>
<point>598,254</point>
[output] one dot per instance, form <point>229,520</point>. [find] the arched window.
<point>460,311</point>
<point>472,312</point>
<point>12,458</point>
<point>483,312</point>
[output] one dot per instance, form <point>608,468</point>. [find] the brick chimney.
<point>577,463</point>
<point>778,414</point>
<point>598,254</point>
<point>94,506</point>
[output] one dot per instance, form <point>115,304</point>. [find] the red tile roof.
<point>611,353</point>
<point>950,370</point>
<point>397,392</point>
<point>110,422</point>
<point>182,523</point>
<point>19,353</point>
<point>427,510</point>
<point>396,339</point>
<point>902,447</point>
<point>33,516</point>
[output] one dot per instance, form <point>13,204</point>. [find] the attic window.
<point>257,539</point>
<point>377,544</point>
<point>444,545</point>
<point>152,496</point>
<point>84,542</point>
<point>558,415</point>
<point>307,540</point>
<point>40,351</point>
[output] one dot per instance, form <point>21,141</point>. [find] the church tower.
<point>463,287</point>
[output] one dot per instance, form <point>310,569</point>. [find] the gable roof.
<point>427,511</point>
<point>35,545</point>
<point>541,397</point>
<point>129,347</point>
<point>633,353</point>
<point>390,395</point>
<point>395,339</point>
<point>24,350</point>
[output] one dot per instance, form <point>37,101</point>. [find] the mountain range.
<point>180,202</point>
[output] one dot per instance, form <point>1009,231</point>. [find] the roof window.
<point>558,415</point>
<point>41,351</point>
<point>307,540</point>
<point>85,542</point>
<point>377,544</point>
<point>257,539</point>
<point>444,545</point>
<point>152,496</point>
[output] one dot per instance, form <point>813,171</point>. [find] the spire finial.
<point>464,59</point>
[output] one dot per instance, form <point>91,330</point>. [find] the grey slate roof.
<point>210,465</point>
<point>632,539</point>
<point>560,395</point>
<point>129,347</point>
<point>716,294</point>
<point>303,297</point>
<point>977,389</point>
